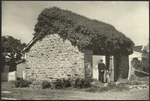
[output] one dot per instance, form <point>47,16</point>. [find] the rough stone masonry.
<point>54,58</point>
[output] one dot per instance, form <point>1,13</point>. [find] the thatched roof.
<point>82,32</point>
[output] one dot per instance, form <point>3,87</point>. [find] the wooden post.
<point>104,75</point>
<point>129,73</point>
<point>111,67</point>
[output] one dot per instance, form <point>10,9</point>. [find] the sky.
<point>130,18</point>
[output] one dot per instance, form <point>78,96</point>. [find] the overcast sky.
<point>130,18</point>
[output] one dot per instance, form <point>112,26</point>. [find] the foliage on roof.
<point>82,32</point>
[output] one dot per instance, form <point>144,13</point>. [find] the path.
<point>134,94</point>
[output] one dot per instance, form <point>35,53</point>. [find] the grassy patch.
<point>72,93</point>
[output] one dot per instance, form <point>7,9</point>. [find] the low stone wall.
<point>12,76</point>
<point>4,77</point>
<point>4,74</point>
<point>20,68</point>
<point>53,58</point>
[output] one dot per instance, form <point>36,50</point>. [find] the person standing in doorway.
<point>101,68</point>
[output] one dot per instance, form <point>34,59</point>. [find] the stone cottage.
<point>64,43</point>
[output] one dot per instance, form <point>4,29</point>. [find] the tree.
<point>12,46</point>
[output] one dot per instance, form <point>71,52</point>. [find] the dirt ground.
<point>71,94</point>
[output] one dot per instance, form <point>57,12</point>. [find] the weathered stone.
<point>54,58</point>
<point>138,87</point>
<point>130,87</point>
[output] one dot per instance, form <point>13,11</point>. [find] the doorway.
<point>108,61</point>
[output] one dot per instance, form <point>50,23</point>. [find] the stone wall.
<point>88,59</point>
<point>121,67</point>
<point>124,67</point>
<point>54,58</point>
<point>12,76</point>
<point>20,68</point>
<point>4,74</point>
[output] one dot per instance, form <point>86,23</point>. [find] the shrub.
<point>86,83</point>
<point>21,83</point>
<point>66,83</point>
<point>96,83</point>
<point>62,83</point>
<point>59,84</point>
<point>46,84</point>
<point>82,83</point>
<point>78,83</point>
<point>19,78</point>
<point>35,83</point>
